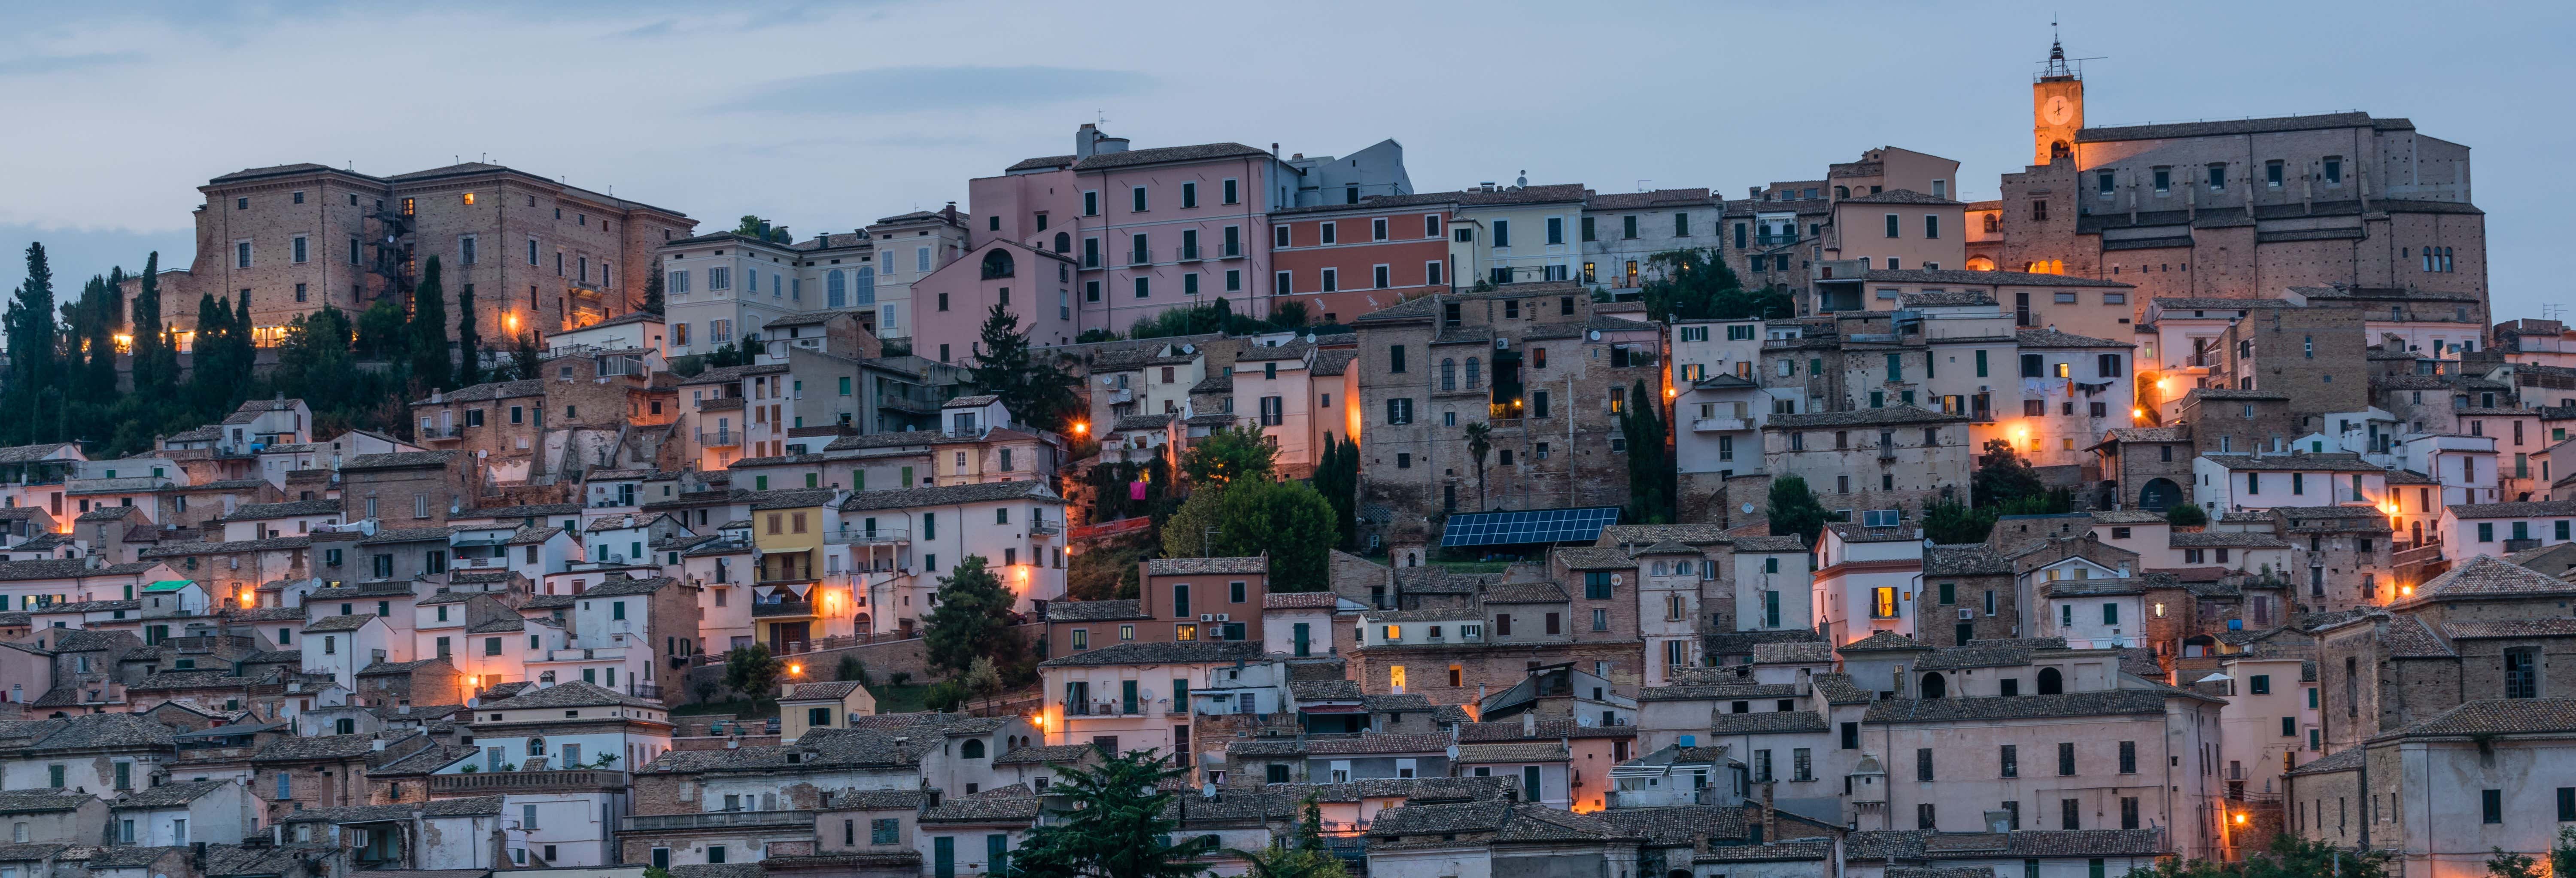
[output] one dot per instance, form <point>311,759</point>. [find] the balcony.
<point>1045,528</point>
<point>487,783</point>
<point>719,438</point>
<point>721,403</point>
<point>1107,708</point>
<point>908,403</point>
<point>1230,251</point>
<point>782,610</point>
<point>1123,394</point>
<point>1775,240</point>
<point>1140,257</point>
<point>1189,253</point>
<point>873,536</point>
<point>715,820</point>
<point>1719,425</point>
<point>435,434</point>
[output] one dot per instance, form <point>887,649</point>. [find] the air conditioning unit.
<point>1966,615</point>
<point>1207,617</point>
<point>1221,617</point>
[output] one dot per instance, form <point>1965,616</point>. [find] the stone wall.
<point>883,658</point>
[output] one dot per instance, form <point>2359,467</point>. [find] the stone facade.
<point>539,255</point>
<point>1541,364</point>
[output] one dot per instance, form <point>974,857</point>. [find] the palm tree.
<point>1480,439</point>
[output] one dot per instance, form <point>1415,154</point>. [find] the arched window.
<point>1448,374</point>
<point>1842,192</point>
<point>536,746</point>
<point>836,289</point>
<point>2059,150</point>
<point>972,749</point>
<point>1934,686</point>
<point>2051,682</point>
<point>549,676</point>
<point>1475,373</point>
<point>1063,243</point>
<point>997,264</point>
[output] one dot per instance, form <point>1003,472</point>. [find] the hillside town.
<point>1853,529</point>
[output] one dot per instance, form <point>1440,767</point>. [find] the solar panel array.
<point>1582,524</point>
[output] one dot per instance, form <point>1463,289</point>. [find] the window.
<point>1892,225</point>
<point>2011,760</point>
<point>2491,806</point>
<point>2065,757</point>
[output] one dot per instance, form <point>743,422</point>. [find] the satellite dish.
<point>1595,335</point>
<point>1616,579</point>
<point>1748,508</point>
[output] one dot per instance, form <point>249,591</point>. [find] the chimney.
<point>1529,723</point>
<point>1083,138</point>
<point>1274,149</point>
<point>377,745</point>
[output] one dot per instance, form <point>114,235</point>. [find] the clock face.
<point>2058,110</point>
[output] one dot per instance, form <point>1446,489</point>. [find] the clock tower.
<point>2056,108</point>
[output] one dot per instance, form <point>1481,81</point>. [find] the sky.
<point>827,115</point>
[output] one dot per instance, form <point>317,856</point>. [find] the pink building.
<point>1143,231</point>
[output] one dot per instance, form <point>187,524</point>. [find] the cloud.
<point>890,90</point>
<point>656,29</point>
<point>38,66</point>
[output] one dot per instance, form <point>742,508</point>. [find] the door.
<point>943,857</point>
<point>997,854</point>
<point>1126,696</point>
<point>1967,631</point>
<point>1299,638</point>
<point>1529,784</point>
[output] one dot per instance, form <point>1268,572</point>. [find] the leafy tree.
<point>2055,501</point>
<point>1794,509</point>
<point>1650,470</point>
<point>313,362</point>
<point>1193,530</point>
<point>384,332</point>
<point>760,229</point>
<point>1112,492</point>
<point>981,680</point>
<point>1095,334</point>
<point>1949,523</point>
<point>1040,394</point>
<point>2002,476</point>
<point>2287,856</point>
<point>1337,477</point>
<point>1287,520</point>
<point>1289,315</point>
<point>2507,864</point>
<point>1117,828</point>
<point>2185,515</point>
<point>1480,441</point>
<point>850,670</point>
<point>1227,455</point>
<point>429,354</point>
<point>469,342</point>
<point>1697,285</point>
<point>653,289</point>
<point>752,671</point>
<point>972,618</point>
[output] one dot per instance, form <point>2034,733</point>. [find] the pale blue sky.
<point>826,115</point>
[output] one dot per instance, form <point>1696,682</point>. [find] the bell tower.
<point>2056,108</point>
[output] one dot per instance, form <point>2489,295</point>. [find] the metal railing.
<point>719,438</point>
<point>1044,527</point>
<point>1140,707</point>
<point>782,608</point>
<point>867,536</point>
<point>713,820</point>
<point>488,782</point>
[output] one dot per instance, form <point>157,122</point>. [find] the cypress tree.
<point>209,372</point>
<point>429,356</point>
<point>106,317</point>
<point>653,289</point>
<point>469,342</point>
<point>156,365</point>
<point>33,358</point>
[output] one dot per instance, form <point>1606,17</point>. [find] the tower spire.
<point>2056,53</point>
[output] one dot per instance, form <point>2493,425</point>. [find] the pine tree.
<point>1038,394</point>
<point>430,364</point>
<point>469,342</point>
<point>526,357</point>
<point>1117,827</point>
<point>970,618</point>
